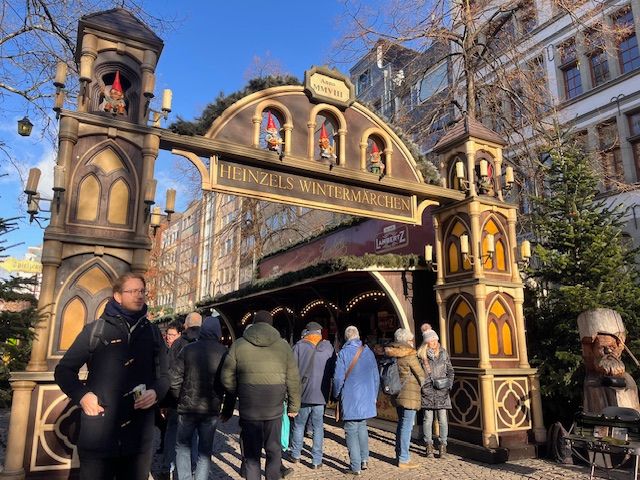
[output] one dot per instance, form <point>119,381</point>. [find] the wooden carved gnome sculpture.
<point>272,137</point>
<point>326,149</point>
<point>113,98</point>
<point>606,383</point>
<point>375,161</point>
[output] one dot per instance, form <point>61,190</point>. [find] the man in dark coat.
<point>261,371</point>
<point>316,359</point>
<point>190,334</point>
<point>127,375</point>
<point>195,381</point>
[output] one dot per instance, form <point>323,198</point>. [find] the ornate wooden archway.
<point>83,246</point>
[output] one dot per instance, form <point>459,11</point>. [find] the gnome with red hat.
<point>113,101</point>
<point>272,136</point>
<point>326,148</point>
<point>375,161</point>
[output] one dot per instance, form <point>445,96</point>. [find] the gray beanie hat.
<point>430,335</point>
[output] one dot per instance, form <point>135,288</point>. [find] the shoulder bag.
<point>338,414</point>
<point>438,383</point>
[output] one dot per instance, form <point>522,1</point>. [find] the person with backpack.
<point>127,374</point>
<point>355,384</point>
<point>314,357</point>
<point>195,381</point>
<point>407,401</point>
<point>436,388</point>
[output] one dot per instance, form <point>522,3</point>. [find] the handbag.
<point>338,414</point>
<point>438,383</point>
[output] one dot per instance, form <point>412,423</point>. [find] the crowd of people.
<point>133,373</point>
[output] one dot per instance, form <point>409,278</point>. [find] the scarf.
<point>114,309</point>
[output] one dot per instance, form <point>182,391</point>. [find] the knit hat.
<point>313,327</point>
<point>430,335</point>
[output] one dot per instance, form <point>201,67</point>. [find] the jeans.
<point>126,467</point>
<point>169,452</point>
<point>406,419</point>
<point>357,437</point>
<point>256,435</point>
<point>205,425</point>
<point>427,426</point>
<point>316,413</point>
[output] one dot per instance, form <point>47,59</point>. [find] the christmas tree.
<point>581,261</point>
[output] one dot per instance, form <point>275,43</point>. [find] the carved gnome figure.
<point>326,149</point>
<point>375,161</point>
<point>113,97</point>
<point>272,137</point>
<point>606,383</point>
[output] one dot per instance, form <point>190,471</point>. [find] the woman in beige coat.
<point>409,399</point>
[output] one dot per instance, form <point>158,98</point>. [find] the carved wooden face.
<point>603,355</point>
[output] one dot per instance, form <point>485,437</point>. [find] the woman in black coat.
<point>436,388</point>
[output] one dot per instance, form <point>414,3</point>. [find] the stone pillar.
<point>489,434</point>
<point>18,422</point>
<point>51,259</point>
<point>68,138</point>
<point>470,150</point>
<point>539,432</point>
<point>150,146</point>
<point>480,295</point>
<point>523,355</point>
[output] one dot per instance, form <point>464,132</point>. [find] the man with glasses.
<point>127,374</point>
<point>172,333</point>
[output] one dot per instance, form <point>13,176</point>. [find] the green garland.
<point>340,264</point>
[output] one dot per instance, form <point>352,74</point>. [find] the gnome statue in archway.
<point>606,383</point>
<point>272,136</point>
<point>326,148</point>
<point>113,98</point>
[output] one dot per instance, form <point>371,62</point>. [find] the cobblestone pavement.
<point>226,461</point>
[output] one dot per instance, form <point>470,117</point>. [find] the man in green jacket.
<point>261,371</point>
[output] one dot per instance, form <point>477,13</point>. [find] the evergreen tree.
<point>581,261</point>
<point>18,316</point>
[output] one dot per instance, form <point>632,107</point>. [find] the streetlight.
<point>24,127</point>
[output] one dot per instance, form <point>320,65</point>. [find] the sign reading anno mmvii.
<point>277,186</point>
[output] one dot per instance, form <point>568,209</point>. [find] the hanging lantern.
<point>25,127</point>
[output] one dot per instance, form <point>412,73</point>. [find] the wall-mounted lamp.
<point>508,179</point>
<point>149,196</point>
<point>464,249</point>
<point>483,182</point>
<point>462,180</point>
<point>25,127</point>
<point>86,65</point>
<point>34,198</point>
<point>428,258</point>
<point>525,253</point>
<point>156,214</point>
<point>167,98</point>
<point>59,83</point>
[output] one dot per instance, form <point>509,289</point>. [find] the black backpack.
<point>390,377</point>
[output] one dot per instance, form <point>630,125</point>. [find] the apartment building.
<point>583,63</point>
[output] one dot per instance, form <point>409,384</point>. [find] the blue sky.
<point>211,49</point>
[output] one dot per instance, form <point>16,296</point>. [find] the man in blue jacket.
<point>315,359</point>
<point>356,382</point>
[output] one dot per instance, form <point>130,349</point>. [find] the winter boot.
<point>443,451</point>
<point>429,450</point>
